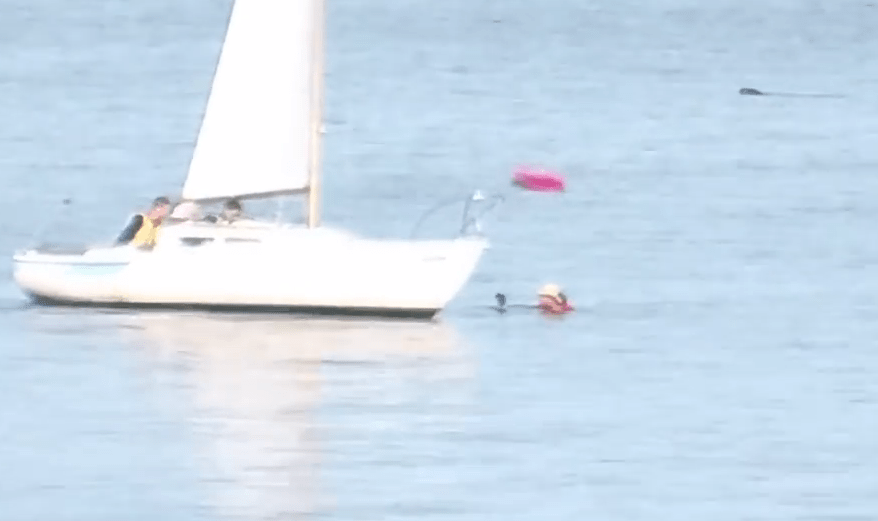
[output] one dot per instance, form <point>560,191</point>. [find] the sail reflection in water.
<point>258,384</point>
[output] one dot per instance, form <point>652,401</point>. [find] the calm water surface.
<point>723,365</point>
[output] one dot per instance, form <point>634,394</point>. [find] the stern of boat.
<point>69,274</point>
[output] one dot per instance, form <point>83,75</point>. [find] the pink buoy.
<point>538,180</point>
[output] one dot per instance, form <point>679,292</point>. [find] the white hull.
<point>258,265</point>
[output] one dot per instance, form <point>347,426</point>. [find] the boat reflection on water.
<point>258,384</point>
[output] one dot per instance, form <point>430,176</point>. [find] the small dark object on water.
<point>747,91</point>
<point>501,302</point>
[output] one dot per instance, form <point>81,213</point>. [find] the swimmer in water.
<point>552,300</point>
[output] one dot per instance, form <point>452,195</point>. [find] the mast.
<point>314,173</point>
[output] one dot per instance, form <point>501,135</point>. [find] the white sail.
<point>255,138</point>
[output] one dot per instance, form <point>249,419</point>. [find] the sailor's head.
<point>159,208</point>
<point>232,209</point>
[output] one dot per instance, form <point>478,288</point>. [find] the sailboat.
<point>261,138</point>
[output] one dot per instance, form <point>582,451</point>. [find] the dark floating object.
<point>501,306</point>
<point>747,91</point>
<point>501,303</point>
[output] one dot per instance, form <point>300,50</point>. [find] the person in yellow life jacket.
<point>141,230</point>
